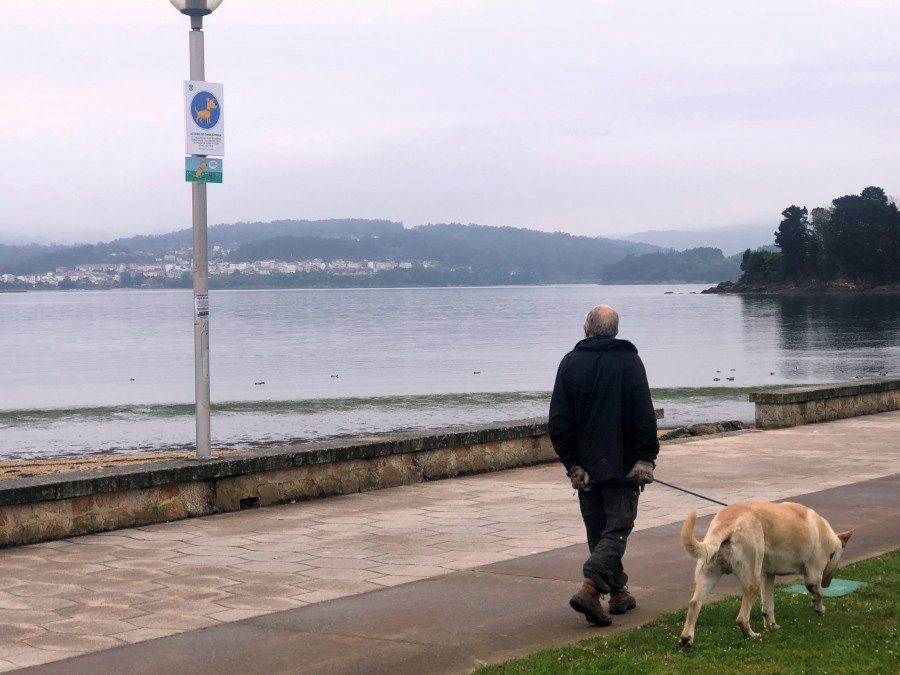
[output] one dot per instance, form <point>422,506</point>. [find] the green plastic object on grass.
<point>838,588</point>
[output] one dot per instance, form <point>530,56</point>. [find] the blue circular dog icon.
<point>206,111</point>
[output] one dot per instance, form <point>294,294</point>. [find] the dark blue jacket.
<point>601,415</point>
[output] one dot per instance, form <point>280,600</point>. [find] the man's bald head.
<point>601,321</point>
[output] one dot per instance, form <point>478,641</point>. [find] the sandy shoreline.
<point>27,468</point>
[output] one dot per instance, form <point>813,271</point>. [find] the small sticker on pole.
<point>202,170</point>
<point>201,307</point>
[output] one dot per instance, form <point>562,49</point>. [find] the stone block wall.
<point>52,507</point>
<point>806,405</point>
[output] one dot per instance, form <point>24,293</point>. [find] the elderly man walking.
<point>603,427</point>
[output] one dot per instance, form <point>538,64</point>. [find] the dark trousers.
<point>609,511</point>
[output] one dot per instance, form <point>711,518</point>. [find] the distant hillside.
<point>502,251</point>
<point>486,254</point>
<point>36,259</point>
<point>697,265</point>
<point>730,239</point>
<point>236,234</point>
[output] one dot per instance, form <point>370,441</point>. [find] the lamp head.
<point>196,7</point>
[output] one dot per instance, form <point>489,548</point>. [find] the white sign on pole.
<point>204,118</point>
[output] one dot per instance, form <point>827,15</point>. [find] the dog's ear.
<point>845,537</point>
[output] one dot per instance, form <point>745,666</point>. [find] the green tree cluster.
<point>695,265</point>
<point>856,239</point>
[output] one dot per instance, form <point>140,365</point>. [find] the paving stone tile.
<point>267,603</point>
<point>112,597</point>
<point>294,546</point>
<point>200,582</point>
<point>327,535</point>
<point>211,551</point>
<point>128,587</point>
<point>142,564</point>
<point>221,571</point>
<point>133,574</point>
<point>475,557</point>
<point>86,626</point>
<point>219,542</point>
<point>347,520</point>
<point>342,563</point>
<point>157,534</point>
<point>283,556</point>
<point>47,590</point>
<point>183,606</point>
<point>350,575</point>
<point>69,573</point>
<point>419,571</point>
<point>206,560</point>
<point>173,621</point>
<point>291,535</point>
<point>36,657</point>
<point>388,581</point>
<point>272,566</point>
<point>144,553</point>
<point>117,612</point>
<point>230,615</point>
<point>190,593</point>
<point>402,559</point>
<point>262,590</point>
<point>244,577</point>
<point>144,634</point>
<point>14,631</point>
<point>323,596</point>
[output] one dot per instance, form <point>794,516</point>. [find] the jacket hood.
<point>603,343</point>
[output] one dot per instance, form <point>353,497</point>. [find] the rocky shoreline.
<point>813,288</point>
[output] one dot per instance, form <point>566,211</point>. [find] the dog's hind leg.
<point>707,575</point>
<point>768,601</point>
<point>747,566</point>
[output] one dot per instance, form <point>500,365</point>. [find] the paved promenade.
<point>433,578</point>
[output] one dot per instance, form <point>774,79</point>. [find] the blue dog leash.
<point>675,487</point>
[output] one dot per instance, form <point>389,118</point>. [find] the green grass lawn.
<point>858,634</point>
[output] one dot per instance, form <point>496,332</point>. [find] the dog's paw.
<point>686,641</point>
<point>772,626</point>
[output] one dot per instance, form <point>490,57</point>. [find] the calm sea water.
<point>86,373</point>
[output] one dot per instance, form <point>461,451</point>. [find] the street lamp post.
<point>197,9</point>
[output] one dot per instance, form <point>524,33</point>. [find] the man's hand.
<point>579,478</point>
<point>641,473</point>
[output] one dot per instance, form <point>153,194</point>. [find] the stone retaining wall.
<point>52,507</point>
<point>805,405</point>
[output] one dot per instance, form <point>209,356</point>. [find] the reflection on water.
<point>830,338</point>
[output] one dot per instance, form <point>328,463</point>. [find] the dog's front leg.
<point>812,579</point>
<point>768,601</point>
<point>815,592</point>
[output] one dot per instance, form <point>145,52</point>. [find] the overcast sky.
<point>586,116</point>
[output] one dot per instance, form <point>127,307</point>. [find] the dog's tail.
<point>702,550</point>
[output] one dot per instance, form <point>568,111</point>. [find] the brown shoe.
<point>587,601</point>
<point>620,601</point>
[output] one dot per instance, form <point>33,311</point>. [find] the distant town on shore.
<point>854,244</point>
<point>356,252</point>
